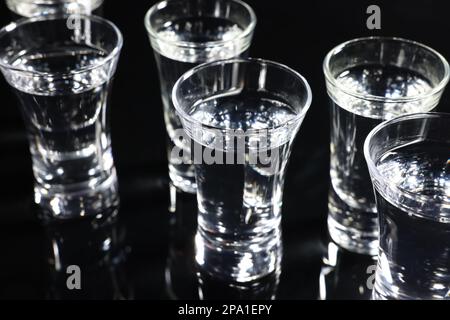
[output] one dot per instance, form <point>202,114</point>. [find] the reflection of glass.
<point>185,281</point>
<point>62,78</point>
<point>346,275</point>
<point>240,191</point>
<point>96,247</point>
<point>29,8</point>
<point>211,288</point>
<point>181,279</point>
<point>186,33</point>
<point>409,162</point>
<point>370,80</point>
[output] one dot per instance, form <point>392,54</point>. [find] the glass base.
<point>211,288</point>
<point>384,292</point>
<point>377,296</point>
<point>91,201</point>
<point>184,179</point>
<point>238,263</point>
<point>353,239</point>
<point>352,229</point>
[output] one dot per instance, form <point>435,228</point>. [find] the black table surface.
<point>147,252</point>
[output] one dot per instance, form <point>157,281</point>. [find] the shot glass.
<point>241,117</point>
<point>30,8</point>
<point>370,80</point>
<point>62,78</point>
<point>409,162</point>
<point>186,33</point>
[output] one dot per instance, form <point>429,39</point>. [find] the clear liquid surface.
<point>200,30</point>
<point>383,81</point>
<point>415,250</point>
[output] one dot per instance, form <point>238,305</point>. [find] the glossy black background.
<point>146,238</point>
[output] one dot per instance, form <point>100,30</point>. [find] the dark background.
<point>147,243</point>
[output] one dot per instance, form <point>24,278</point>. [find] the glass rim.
<point>298,117</point>
<point>375,173</point>
<point>25,21</point>
<point>376,98</point>
<point>52,1</point>
<point>189,44</point>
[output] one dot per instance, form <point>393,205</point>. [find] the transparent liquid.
<point>351,122</point>
<point>67,122</point>
<point>173,62</point>
<point>415,250</point>
<point>240,204</point>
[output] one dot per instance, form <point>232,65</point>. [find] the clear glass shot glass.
<point>62,78</point>
<point>184,34</point>
<point>409,162</point>
<point>240,117</point>
<point>370,80</point>
<point>30,8</point>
